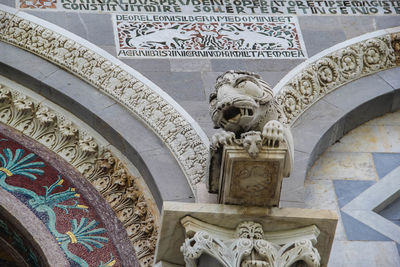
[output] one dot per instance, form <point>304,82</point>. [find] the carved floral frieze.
<point>161,116</point>
<point>97,164</point>
<point>329,72</point>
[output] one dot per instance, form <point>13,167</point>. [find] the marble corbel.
<point>254,150</point>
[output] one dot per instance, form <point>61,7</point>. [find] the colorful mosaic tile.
<point>53,199</point>
<point>38,4</point>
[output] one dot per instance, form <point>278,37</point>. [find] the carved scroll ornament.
<point>106,172</point>
<point>249,248</point>
<point>159,114</point>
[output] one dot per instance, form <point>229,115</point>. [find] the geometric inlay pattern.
<point>365,207</point>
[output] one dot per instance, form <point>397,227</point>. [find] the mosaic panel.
<point>54,200</point>
<point>38,4</point>
<point>208,36</point>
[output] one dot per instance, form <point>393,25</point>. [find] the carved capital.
<point>246,246</point>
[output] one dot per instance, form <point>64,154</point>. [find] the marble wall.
<point>355,169</point>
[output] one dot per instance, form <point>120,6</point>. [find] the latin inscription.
<point>215,7</point>
<point>192,36</point>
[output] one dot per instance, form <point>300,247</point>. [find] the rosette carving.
<point>375,54</point>
<point>328,74</point>
<point>333,70</point>
<point>291,102</point>
<point>350,63</point>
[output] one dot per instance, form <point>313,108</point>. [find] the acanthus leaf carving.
<point>97,164</point>
<point>118,187</point>
<point>250,249</point>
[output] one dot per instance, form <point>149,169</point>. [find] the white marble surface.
<point>370,138</point>
<point>320,194</point>
<point>351,159</point>
<point>390,119</point>
<point>364,254</point>
<point>344,166</point>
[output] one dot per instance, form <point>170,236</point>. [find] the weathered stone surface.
<point>271,219</point>
<point>247,245</point>
<point>246,180</point>
<point>344,166</point>
<point>370,139</point>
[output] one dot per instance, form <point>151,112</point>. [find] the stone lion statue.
<point>243,105</point>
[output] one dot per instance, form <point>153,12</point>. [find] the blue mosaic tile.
<point>357,231</point>
<point>347,190</point>
<point>386,162</point>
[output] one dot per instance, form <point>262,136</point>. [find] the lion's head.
<point>239,101</point>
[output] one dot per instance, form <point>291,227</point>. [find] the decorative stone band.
<point>336,66</point>
<point>160,112</point>
<point>246,246</point>
<point>123,191</point>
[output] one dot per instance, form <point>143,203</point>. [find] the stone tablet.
<point>201,36</point>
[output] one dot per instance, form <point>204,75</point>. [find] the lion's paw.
<point>222,138</point>
<point>273,133</point>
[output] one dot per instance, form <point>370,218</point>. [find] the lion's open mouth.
<point>233,114</point>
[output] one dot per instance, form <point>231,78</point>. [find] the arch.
<point>336,66</point>
<point>103,167</point>
<point>175,128</point>
<point>334,115</point>
<point>32,229</point>
<point>76,216</point>
<point>320,112</point>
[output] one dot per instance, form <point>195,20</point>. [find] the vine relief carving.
<point>250,249</point>
<point>336,69</point>
<point>175,131</point>
<point>96,163</point>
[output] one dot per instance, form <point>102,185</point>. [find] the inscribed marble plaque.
<point>220,7</point>
<point>178,36</point>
